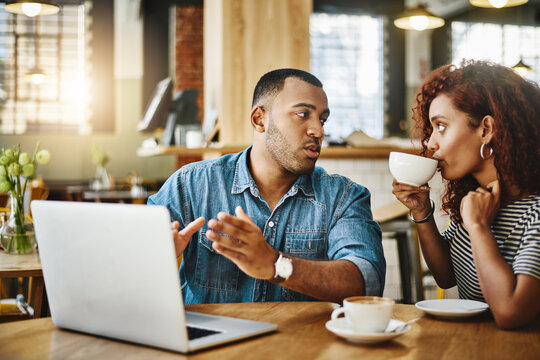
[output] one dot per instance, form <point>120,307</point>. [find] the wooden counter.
<point>330,152</point>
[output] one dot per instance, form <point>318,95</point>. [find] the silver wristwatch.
<point>283,268</point>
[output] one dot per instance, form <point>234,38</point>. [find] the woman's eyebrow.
<point>436,117</point>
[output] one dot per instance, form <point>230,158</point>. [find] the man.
<point>297,233</point>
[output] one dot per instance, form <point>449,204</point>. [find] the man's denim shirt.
<point>321,217</point>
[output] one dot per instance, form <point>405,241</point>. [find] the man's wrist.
<point>283,268</point>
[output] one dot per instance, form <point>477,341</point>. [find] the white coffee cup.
<point>194,138</point>
<point>366,314</point>
<point>411,169</point>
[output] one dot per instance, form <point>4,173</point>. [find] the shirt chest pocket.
<point>309,245</point>
<point>213,270</point>
<point>305,235</point>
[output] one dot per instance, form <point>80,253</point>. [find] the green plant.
<point>16,168</point>
<point>99,158</point>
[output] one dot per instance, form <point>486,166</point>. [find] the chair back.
<point>4,199</point>
<point>38,191</point>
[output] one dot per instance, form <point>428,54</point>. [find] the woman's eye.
<point>440,127</point>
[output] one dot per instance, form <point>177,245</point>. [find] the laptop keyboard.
<point>195,332</point>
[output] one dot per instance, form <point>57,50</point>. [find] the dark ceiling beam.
<point>376,7</point>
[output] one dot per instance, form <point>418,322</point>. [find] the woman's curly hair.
<point>480,88</point>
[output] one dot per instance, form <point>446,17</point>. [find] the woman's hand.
<point>479,207</point>
<point>416,198</point>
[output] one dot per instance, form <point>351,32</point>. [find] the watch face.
<point>284,267</point>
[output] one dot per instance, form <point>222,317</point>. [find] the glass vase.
<point>101,179</point>
<point>17,232</point>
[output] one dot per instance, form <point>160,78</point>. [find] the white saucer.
<point>452,308</point>
<point>340,327</point>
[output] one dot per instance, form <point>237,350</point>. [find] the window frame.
<point>100,69</point>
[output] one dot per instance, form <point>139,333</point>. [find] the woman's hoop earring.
<point>482,152</point>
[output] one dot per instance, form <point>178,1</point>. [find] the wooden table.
<point>301,334</point>
<point>119,196</point>
<point>14,266</point>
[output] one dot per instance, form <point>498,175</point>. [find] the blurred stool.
<point>22,289</point>
<point>17,308</point>
<point>392,219</point>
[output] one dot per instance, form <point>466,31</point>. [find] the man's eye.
<point>323,121</point>
<point>303,114</point>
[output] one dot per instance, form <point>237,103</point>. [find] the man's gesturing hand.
<point>181,238</point>
<point>241,241</point>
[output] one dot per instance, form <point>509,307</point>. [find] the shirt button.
<point>271,224</point>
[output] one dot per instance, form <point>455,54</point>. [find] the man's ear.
<point>487,125</point>
<point>258,119</point>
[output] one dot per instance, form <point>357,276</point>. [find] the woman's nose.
<point>432,143</point>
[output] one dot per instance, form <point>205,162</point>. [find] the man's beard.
<point>284,153</point>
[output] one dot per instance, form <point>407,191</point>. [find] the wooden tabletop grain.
<point>301,334</point>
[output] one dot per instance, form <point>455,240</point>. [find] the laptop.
<point>111,270</point>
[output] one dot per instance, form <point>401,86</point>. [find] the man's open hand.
<point>181,238</point>
<point>241,241</point>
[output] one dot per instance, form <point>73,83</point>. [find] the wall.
<point>188,48</point>
<point>243,39</point>
<point>70,154</point>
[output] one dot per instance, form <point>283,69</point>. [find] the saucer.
<point>340,327</point>
<point>452,308</point>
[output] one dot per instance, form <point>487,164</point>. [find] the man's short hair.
<point>271,83</point>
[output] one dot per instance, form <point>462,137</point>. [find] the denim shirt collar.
<point>243,179</point>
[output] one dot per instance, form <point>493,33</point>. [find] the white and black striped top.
<point>517,231</point>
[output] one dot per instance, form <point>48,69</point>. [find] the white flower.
<point>43,157</point>
<point>24,158</point>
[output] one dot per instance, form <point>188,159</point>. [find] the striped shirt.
<point>517,231</point>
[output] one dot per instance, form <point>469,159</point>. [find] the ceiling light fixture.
<point>36,75</point>
<point>32,8</point>
<point>497,3</point>
<point>521,68</point>
<point>418,18</point>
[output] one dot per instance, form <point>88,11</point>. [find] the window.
<point>502,44</point>
<point>347,56</point>
<point>56,44</point>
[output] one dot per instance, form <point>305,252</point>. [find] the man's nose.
<point>316,129</point>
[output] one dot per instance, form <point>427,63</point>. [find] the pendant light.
<point>497,3</point>
<point>521,68</point>
<point>35,75</point>
<point>418,18</point>
<point>32,8</point>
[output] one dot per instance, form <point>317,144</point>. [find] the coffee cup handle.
<point>337,312</point>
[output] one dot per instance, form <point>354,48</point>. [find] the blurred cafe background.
<point>124,92</point>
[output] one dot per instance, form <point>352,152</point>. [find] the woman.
<point>481,122</point>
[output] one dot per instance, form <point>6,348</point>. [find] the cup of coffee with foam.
<point>366,314</point>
